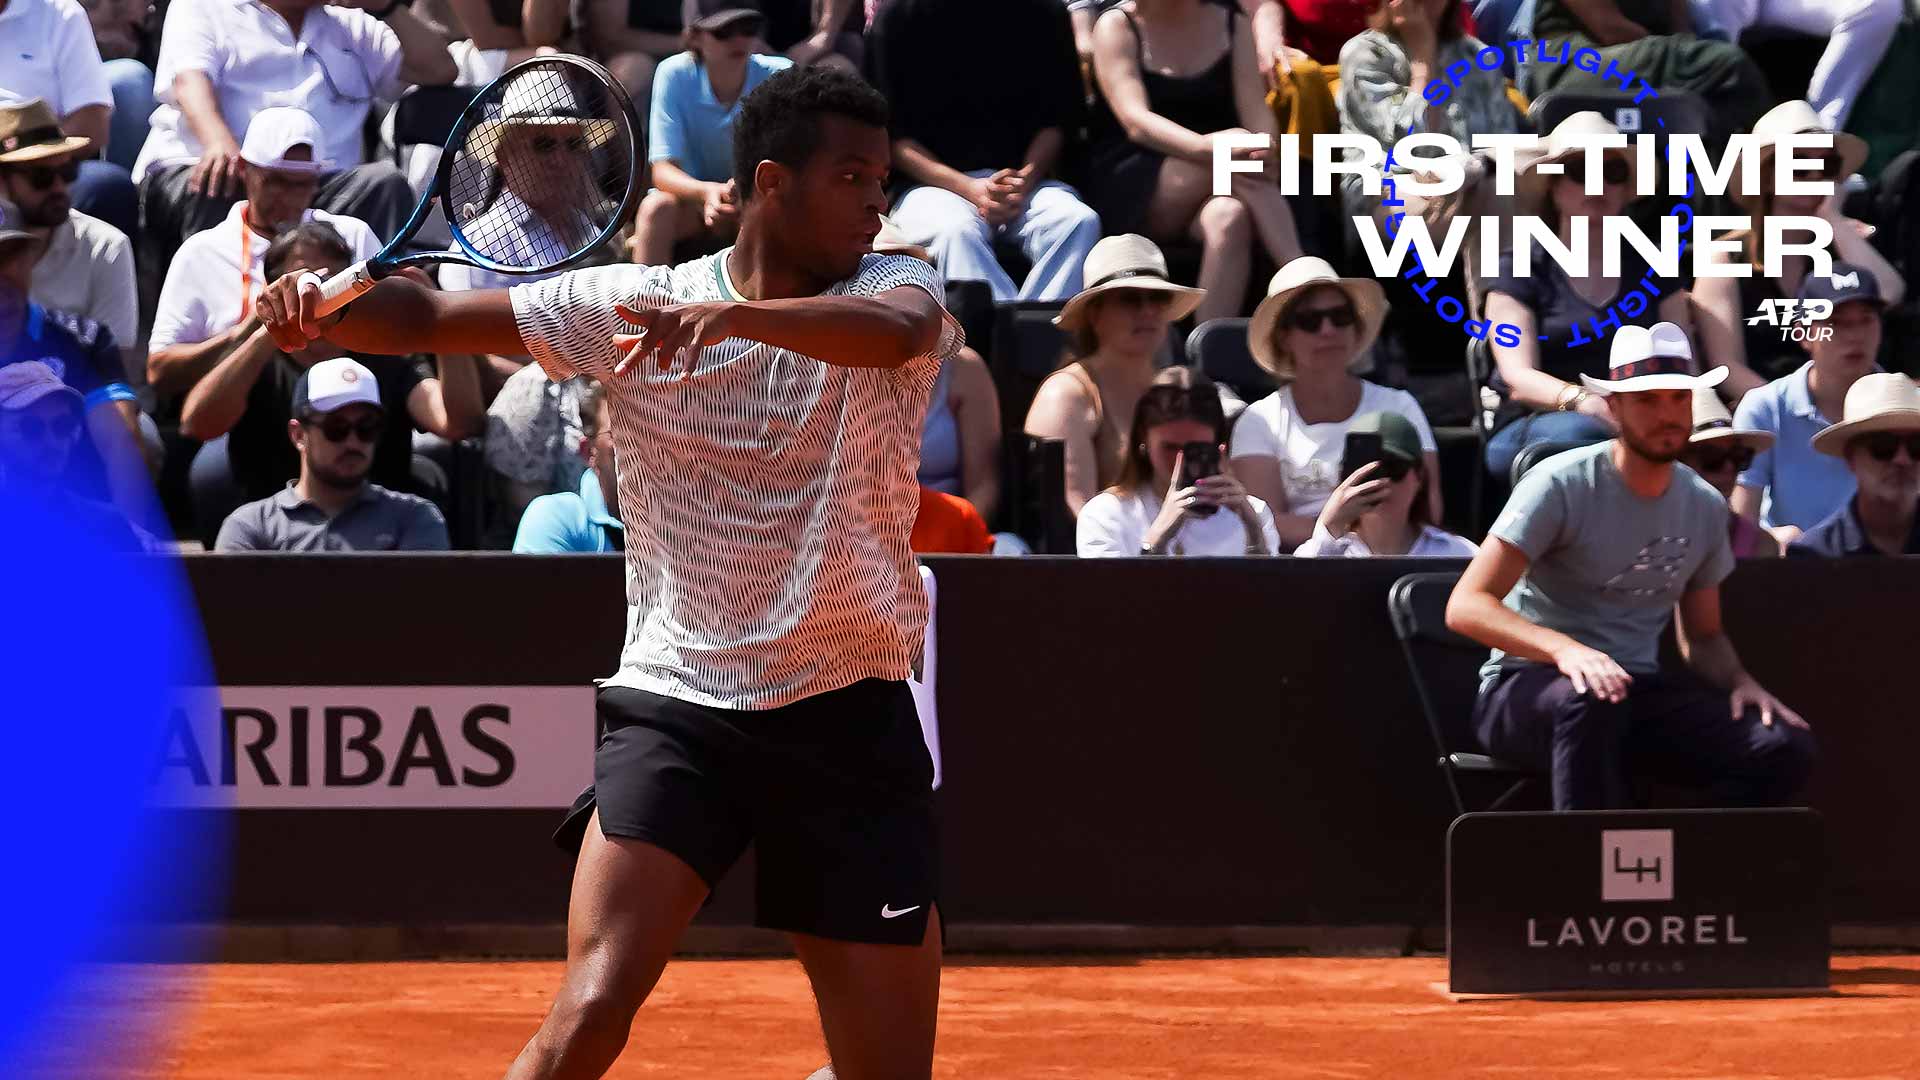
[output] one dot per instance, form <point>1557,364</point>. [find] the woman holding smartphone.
<point>1176,446</point>
<point>1381,507</point>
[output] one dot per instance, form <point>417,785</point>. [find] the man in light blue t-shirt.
<point>1574,587</point>
<point>586,521</point>
<point>1790,487</point>
<point>696,96</point>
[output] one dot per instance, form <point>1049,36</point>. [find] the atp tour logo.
<point>1798,319</point>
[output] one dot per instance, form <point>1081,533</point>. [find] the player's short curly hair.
<point>780,120</point>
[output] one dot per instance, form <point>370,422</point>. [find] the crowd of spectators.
<point>159,165</point>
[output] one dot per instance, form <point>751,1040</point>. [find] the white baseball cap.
<point>275,131</point>
<point>335,384</point>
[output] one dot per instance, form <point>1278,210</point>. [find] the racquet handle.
<point>339,290</point>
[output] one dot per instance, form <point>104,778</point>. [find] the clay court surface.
<point>1097,1018</point>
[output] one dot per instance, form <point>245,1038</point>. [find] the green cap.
<point>1397,434</point>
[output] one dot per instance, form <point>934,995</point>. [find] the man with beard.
<point>208,296</point>
<point>1573,590</point>
<point>86,268</point>
<point>239,410</point>
<point>337,422</point>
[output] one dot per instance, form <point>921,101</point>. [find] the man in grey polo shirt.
<point>337,420</point>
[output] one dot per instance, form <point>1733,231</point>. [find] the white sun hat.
<point>1651,358</point>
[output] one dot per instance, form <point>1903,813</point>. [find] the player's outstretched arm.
<point>396,317</point>
<point>882,331</point>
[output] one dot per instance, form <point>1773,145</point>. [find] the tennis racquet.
<point>539,171</point>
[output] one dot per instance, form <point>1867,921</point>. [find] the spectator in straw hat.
<point>1539,381</point>
<point>1756,349</point>
<point>539,151</point>
<point>1573,590</point>
<point>1117,326</point>
<point>1720,452</point>
<point>1312,333</point>
<point>87,265</point>
<point>1790,487</point>
<point>1879,439</point>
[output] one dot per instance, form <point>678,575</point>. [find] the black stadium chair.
<point>1033,493</point>
<point>425,115</point>
<point>1026,348</point>
<point>1445,668</point>
<point>1535,453</point>
<point>1218,349</point>
<point>971,304</point>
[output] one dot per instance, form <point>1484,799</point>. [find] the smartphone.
<point>1362,448</point>
<point>1199,459</point>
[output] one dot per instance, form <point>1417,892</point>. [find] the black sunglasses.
<point>547,144</point>
<point>1881,445</point>
<point>1310,320</point>
<point>1139,298</point>
<point>41,177</point>
<point>59,429</point>
<point>1715,460</point>
<point>1615,171</point>
<point>337,428</point>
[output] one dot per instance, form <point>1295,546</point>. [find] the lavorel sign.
<point>361,747</point>
<point>1636,901</point>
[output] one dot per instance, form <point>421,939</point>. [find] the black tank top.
<point>1201,103</point>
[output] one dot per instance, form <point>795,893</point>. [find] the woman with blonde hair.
<point>1312,333</point>
<point>1118,325</point>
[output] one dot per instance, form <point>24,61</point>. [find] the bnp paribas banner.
<point>378,747</point>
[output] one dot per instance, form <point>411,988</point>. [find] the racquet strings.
<point>542,168</point>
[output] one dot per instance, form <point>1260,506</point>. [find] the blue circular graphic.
<point>1451,308</point>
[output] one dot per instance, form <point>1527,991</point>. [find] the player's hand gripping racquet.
<point>539,171</point>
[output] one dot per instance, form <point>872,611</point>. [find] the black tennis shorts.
<point>834,791</point>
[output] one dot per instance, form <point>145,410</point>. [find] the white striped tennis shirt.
<point>767,499</point>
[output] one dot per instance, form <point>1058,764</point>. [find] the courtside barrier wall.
<point>1157,743</point>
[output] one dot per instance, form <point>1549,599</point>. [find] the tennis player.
<point>767,404</point>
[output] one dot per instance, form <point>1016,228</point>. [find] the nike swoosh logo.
<point>888,913</point>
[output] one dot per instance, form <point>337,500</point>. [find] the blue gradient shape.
<point>95,649</point>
